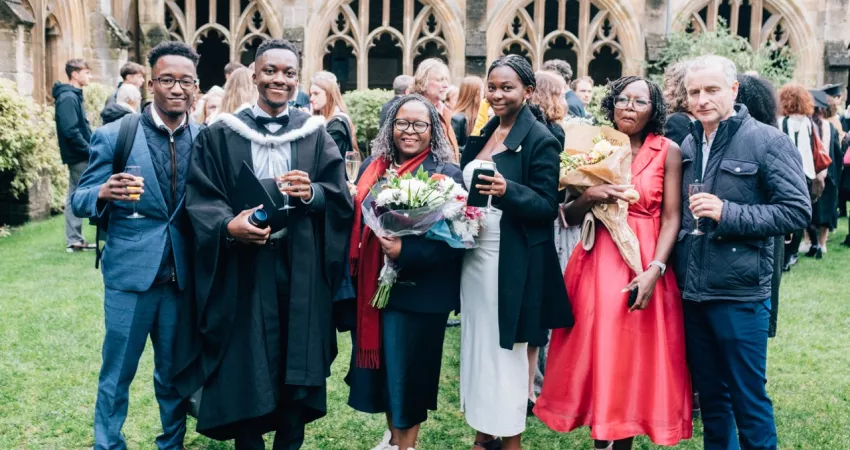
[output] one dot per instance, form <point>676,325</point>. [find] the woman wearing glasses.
<point>395,364</point>
<point>621,371</point>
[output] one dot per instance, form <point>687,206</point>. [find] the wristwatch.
<point>660,265</point>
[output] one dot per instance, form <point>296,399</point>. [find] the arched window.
<point>369,42</point>
<point>221,31</point>
<point>577,31</point>
<point>754,20</point>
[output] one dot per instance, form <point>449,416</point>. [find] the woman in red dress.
<point>621,371</point>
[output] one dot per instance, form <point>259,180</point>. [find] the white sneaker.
<point>385,442</point>
<point>805,246</point>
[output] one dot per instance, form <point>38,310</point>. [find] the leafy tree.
<point>28,146</point>
<point>364,108</point>
<point>94,99</point>
<point>776,65</point>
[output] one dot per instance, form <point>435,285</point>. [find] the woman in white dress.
<point>511,285</point>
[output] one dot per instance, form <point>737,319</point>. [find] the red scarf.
<point>367,260</point>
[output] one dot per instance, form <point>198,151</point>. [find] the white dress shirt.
<point>270,158</point>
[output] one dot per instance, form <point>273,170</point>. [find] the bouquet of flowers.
<point>417,205</point>
<point>602,155</point>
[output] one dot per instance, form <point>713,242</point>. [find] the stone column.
<point>16,49</point>
<point>151,24</point>
<point>656,23</point>
<point>106,50</point>
<point>476,37</point>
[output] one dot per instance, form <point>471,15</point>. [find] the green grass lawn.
<point>51,329</point>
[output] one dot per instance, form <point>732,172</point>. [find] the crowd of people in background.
<point>544,323</point>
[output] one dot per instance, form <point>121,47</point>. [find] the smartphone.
<point>633,294</point>
<point>476,198</point>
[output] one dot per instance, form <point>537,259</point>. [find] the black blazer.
<point>429,271</point>
<point>532,293</point>
<point>341,134</point>
<point>459,124</point>
<point>557,131</point>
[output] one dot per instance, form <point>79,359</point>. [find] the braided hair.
<point>383,146</point>
<point>659,106</point>
<point>526,76</point>
<point>759,96</point>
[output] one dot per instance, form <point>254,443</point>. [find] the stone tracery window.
<point>220,30</point>
<point>754,20</point>
<point>577,31</point>
<point>369,42</point>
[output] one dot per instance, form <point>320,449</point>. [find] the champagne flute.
<point>694,189</point>
<point>135,192</point>
<point>281,168</point>
<point>352,165</point>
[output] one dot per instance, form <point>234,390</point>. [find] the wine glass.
<point>694,189</point>
<point>135,192</point>
<point>280,167</point>
<point>352,165</point>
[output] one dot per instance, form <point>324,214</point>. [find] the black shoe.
<point>812,251</point>
<point>819,253</point>
<point>793,259</point>
<point>529,410</point>
<point>494,444</point>
<point>846,242</point>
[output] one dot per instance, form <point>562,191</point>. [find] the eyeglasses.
<point>638,104</point>
<point>419,126</point>
<point>168,83</point>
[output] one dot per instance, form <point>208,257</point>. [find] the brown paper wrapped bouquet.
<point>602,155</point>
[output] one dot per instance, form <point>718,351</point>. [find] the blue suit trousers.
<point>727,354</point>
<point>130,318</point>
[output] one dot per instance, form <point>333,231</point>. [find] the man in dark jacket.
<point>753,190</point>
<point>127,101</point>
<point>401,87</point>
<point>564,69</point>
<point>72,129</point>
<point>131,73</point>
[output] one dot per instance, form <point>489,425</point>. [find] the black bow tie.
<point>283,121</point>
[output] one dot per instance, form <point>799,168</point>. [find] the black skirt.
<point>408,380</point>
<point>825,210</point>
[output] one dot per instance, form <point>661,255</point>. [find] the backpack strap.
<point>121,154</point>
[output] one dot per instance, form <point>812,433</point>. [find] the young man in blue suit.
<point>146,260</point>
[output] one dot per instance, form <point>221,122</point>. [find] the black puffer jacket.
<point>757,172</point>
<point>72,126</point>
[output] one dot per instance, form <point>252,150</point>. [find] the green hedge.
<point>775,66</point>
<point>94,99</point>
<point>28,146</point>
<point>364,108</point>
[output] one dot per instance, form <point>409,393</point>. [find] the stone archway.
<point>786,14</point>
<point>61,24</point>
<point>614,25</point>
<point>436,22</point>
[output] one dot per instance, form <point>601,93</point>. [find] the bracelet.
<point>660,265</point>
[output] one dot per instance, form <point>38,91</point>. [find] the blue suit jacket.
<point>134,247</point>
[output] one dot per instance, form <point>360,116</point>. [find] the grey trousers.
<point>73,224</point>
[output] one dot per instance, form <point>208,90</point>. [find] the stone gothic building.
<point>368,42</point>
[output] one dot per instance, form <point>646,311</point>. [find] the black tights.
<point>622,444</point>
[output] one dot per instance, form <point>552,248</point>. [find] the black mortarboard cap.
<point>832,90</point>
<point>820,98</point>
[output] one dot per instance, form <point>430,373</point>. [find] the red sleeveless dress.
<point>622,374</point>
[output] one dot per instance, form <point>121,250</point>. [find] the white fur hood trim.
<point>312,124</point>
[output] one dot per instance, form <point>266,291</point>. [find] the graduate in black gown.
<point>263,339</point>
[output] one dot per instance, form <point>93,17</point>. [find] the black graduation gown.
<point>259,335</point>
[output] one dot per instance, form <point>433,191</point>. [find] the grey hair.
<point>384,146</point>
<point>128,93</point>
<point>712,61</point>
<point>402,83</point>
